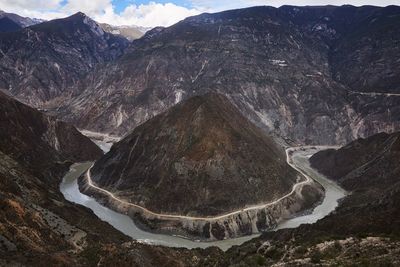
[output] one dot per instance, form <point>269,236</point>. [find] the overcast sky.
<point>152,13</point>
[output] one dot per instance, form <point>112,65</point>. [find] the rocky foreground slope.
<point>203,159</point>
<point>291,70</point>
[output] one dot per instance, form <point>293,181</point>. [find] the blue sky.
<point>151,13</point>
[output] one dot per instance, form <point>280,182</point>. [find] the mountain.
<point>41,62</point>
<point>189,152</point>
<point>37,224</point>
<point>202,158</point>
<point>369,169</point>
<point>21,22</point>
<point>362,231</point>
<point>8,25</point>
<point>39,142</point>
<point>286,69</point>
<point>129,32</point>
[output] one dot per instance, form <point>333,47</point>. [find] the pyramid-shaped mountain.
<point>202,157</point>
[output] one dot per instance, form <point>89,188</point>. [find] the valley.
<point>260,136</point>
<point>297,158</point>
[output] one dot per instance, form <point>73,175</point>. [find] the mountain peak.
<point>79,14</point>
<point>82,17</point>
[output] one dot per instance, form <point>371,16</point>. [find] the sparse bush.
<point>316,256</point>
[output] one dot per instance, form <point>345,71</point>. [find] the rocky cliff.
<point>290,70</point>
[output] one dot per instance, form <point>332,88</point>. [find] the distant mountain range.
<point>18,21</point>
<point>97,80</point>
<point>40,62</point>
<point>129,32</point>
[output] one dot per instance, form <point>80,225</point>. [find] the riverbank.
<point>329,203</point>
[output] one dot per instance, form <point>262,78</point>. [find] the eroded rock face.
<point>286,69</point>
<point>40,62</point>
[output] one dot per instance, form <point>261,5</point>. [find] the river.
<point>70,190</point>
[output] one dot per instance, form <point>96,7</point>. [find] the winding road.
<point>172,216</point>
<point>374,93</point>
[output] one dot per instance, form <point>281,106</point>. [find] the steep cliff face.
<point>39,62</point>
<point>283,68</point>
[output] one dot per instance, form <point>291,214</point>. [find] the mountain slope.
<point>37,224</point>
<point>40,62</point>
<point>39,142</point>
<point>22,22</point>
<point>369,168</point>
<point>8,25</point>
<point>129,32</point>
<point>363,230</point>
<point>281,67</point>
<point>200,158</point>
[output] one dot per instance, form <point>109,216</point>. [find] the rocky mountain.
<point>286,69</point>
<point>129,32</point>
<point>40,62</point>
<point>37,224</point>
<point>22,22</point>
<point>189,152</point>
<point>369,169</point>
<point>363,228</point>
<point>203,158</point>
<point>39,142</point>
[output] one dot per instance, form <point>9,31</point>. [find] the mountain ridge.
<point>246,55</point>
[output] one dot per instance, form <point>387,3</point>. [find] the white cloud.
<point>29,4</point>
<point>152,14</point>
<point>149,15</point>
<point>229,4</point>
<point>146,15</point>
